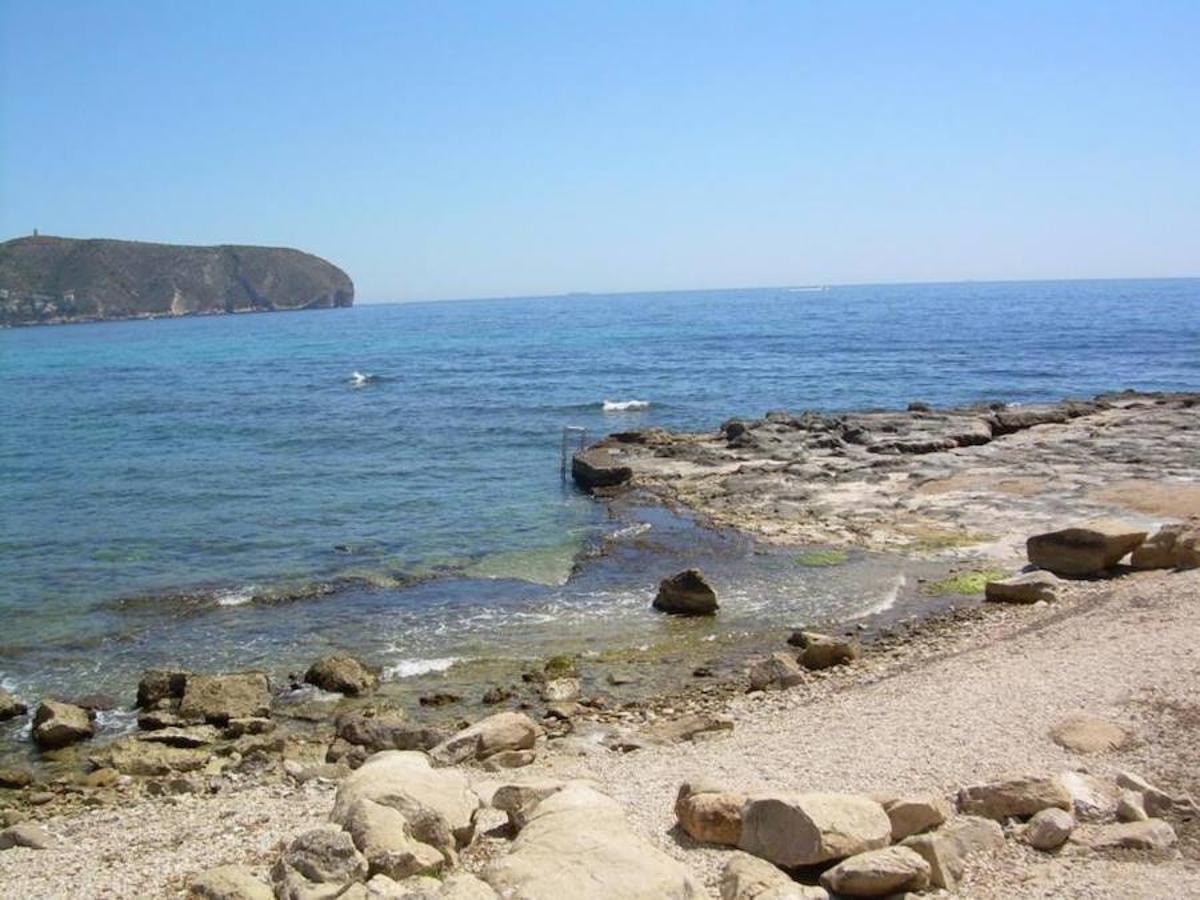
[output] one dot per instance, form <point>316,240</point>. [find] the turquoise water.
<point>223,491</point>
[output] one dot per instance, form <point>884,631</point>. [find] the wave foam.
<point>236,597</point>
<point>358,379</point>
<point>890,596</point>
<point>407,668</point>
<point>624,405</point>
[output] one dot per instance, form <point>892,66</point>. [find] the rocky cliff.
<point>51,279</point>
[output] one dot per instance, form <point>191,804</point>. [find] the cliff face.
<point>50,279</point>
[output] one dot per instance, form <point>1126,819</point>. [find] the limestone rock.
<point>1049,829</point>
<point>465,886</point>
<point>1028,587</point>
<point>777,670</point>
<point>711,817</point>
<point>384,837</point>
<point>577,844</point>
<point>878,872</point>
<point>342,674</point>
<point>1088,549</point>
<point>599,467</point>
<point>1131,807</point>
<point>948,849</point>
<point>131,756</point>
<point>1175,546</point>
<point>561,690</point>
<point>823,650</point>
<point>502,731</point>
<point>438,804</point>
<point>187,736</point>
<point>229,883</point>
<point>805,829</point>
<point>59,724</point>
<point>1155,800</point>
<point>1020,797</point>
<point>1092,799</point>
<point>316,859</point>
<point>219,698</point>
<point>26,834</point>
<point>519,799</point>
<point>15,779</point>
<point>685,728</point>
<point>686,594</point>
<point>747,877</point>
<point>914,814</point>
<point>1086,733</point>
<point>387,731</point>
<point>157,685</point>
<point>1151,834</point>
<point>10,706</point>
<point>509,759</point>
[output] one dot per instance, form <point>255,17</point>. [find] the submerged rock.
<point>1089,549</point>
<point>686,594</point>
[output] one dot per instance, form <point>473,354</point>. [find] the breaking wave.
<point>407,668</point>
<point>624,405</point>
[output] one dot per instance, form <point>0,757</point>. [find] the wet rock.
<point>1086,733</point>
<point>805,829</point>
<point>578,844</point>
<point>438,804</point>
<point>1030,587</point>
<point>877,873</point>
<point>157,685</point>
<point>600,466</point>
<point>1019,797</point>
<point>948,849</point>
<point>253,725</point>
<point>561,690</point>
<point>497,694</point>
<point>229,883</point>
<point>387,731</point>
<point>1150,834</point>
<point>10,706</point>
<point>385,838</point>
<point>26,834</point>
<point>131,756</point>
<point>777,670</point>
<point>822,651</point>
<point>686,594</point>
<point>219,698</point>
<point>59,724</point>
<point>190,736</point>
<point>440,699</point>
<point>324,856</point>
<point>1175,546</point>
<point>914,814</point>
<point>747,877</point>
<point>342,674</point>
<point>709,813</point>
<point>1089,549</point>
<point>687,728</point>
<point>503,731</point>
<point>1049,829</point>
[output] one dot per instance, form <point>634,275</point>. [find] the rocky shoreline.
<point>497,806</point>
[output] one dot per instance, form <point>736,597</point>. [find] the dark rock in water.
<point>600,466</point>
<point>439,699</point>
<point>342,674</point>
<point>160,684</point>
<point>52,279</point>
<point>497,694</point>
<point>917,406</point>
<point>59,724</point>
<point>686,594</point>
<point>94,702</point>
<point>10,706</point>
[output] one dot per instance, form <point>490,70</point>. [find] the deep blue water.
<point>232,458</point>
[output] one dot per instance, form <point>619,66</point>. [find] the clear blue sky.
<point>441,149</point>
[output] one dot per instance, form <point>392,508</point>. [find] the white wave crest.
<point>358,379</point>
<point>624,405</point>
<point>235,597</point>
<point>630,531</point>
<point>890,596</point>
<point>407,668</point>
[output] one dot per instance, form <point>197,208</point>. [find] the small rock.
<point>877,873</point>
<point>1154,800</point>
<point>10,706</point>
<point>1092,798</point>
<point>342,674</point>
<point>777,670</point>
<point>1151,834</point>
<point>1086,733</point>
<point>387,730</point>
<point>229,883</point>
<point>1175,546</point>
<point>15,779</point>
<point>1131,807</point>
<point>502,731</point>
<point>687,728</point>
<point>497,694</point>
<point>320,856</point>
<point>822,650</point>
<point>509,759</point>
<point>26,834</point>
<point>1089,549</point>
<point>686,594</point>
<point>747,877</point>
<point>1030,587</point>
<point>914,814</point>
<point>1015,797</point>
<point>157,685</point>
<point>518,799</point>
<point>1049,829</point>
<point>561,690</point>
<point>711,816</point>
<point>948,849</point>
<point>441,698</point>
<point>59,724</point>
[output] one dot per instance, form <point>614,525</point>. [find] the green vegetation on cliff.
<point>51,279</point>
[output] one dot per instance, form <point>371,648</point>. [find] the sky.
<point>443,150</point>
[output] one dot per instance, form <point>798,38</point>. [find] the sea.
<point>256,490</point>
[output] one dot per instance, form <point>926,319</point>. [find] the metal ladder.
<point>568,433</point>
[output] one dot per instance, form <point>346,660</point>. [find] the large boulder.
<point>342,674</point>
<point>747,877</point>
<point>777,670</point>
<point>805,829</point>
<point>1029,587</point>
<point>229,883</point>
<point>503,731</point>
<point>577,844</point>
<point>1175,546</point>
<point>317,864</point>
<point>219,698</point>
<point>387,730</point>
<point>1020,797</point>
<point>824,650</point>
<point>948,849</point>
<point>384,836</point>
<point>10,706</point>
<point>58,724</point>
<point>157,685</point>
<point>709,813</point>
<point>686,594</point>
<point>437,804</point>
<point>876,873</point>
<point>1089,549</point>
<point>599,467</point>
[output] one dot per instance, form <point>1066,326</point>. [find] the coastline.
<point>621,705</point>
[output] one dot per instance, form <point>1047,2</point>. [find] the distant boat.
<point>805,290</point>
